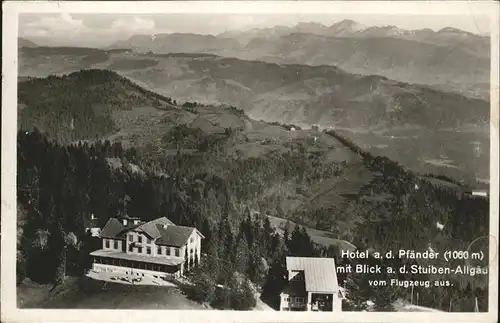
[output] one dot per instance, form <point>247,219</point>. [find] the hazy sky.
<point>103,29</point>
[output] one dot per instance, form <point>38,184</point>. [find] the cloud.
<point>75,29</point>
<point>52,25</point>
<point>81,30</point>
<point>132,25</point>
<point>103,29</point>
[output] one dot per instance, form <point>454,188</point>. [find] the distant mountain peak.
<point>310,24</point>
<point>384,31</point>
<point>346,26</point>
<point>23,42</point>
<point>348,23</point>
<point>451,30</point>
<point>310,27</point>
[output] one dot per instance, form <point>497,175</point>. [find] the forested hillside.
<point>212,167</point>
<point>60,185</point>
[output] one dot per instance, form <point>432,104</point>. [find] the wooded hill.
<point>212,167</point>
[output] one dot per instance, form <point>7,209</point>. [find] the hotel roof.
<point>319,273</point>
<point>151,227</point>
<point>173,235</point>
<point>114,229</point>
<point>162,230</point>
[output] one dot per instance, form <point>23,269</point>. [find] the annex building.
<point>312,285</point>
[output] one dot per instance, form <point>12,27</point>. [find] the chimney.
<point>136,221</point>
<point>124,221</point>
<point>165,226</point>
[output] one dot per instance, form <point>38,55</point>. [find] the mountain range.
<point>449,59</point>
<point>349,28</point>
<point>388,88</point>
<point>385,116</point>
<point>299,94</point>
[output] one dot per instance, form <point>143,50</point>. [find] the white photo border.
<point>11,11</point>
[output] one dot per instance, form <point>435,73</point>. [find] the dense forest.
<point>61,185</point>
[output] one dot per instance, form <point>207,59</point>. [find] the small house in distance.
<point>91,226</point>
<point>158,248</point>
<point>479,193</point>
<point>312,285</point>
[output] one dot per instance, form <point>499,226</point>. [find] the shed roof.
<point>320,273</point>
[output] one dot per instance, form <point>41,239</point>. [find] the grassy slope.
<point>85,293</point>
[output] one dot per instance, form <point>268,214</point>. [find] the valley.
<point>393,116</point>
<point>448,152</point>
<point>415,56</point>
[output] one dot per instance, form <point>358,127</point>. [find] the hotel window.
<point>107,243</point>
<point>139,239</point>
<point>177,252</point>
<point>116,244</point>
<point>168,251</point>
<point>287,299</point>
<point>130,237</point>
<point>139,249</point>
<point>130,248</point>
<point>149,241</point>
<point>191,240</point>
<point>159,250</point>
<point>148,250</point>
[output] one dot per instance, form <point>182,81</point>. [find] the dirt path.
<point>261,306</point>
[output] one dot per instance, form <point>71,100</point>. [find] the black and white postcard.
<point>250,161</point>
